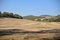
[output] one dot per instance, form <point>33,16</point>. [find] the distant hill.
<point>30,17</point>
<point>45,15</point>
<point>43,18</point>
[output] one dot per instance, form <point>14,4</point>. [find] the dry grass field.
<point>27,36</point>
<point>12,23</point>
<point>44,36</point>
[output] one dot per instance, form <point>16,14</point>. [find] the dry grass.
<point>10,23</point>
<point>27,36</point>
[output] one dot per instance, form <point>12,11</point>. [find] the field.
<point>30,26</point>
<point>49,36</point>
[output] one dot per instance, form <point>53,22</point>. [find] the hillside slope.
<point>12,23</point>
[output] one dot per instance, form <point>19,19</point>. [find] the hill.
<point>43,18</point>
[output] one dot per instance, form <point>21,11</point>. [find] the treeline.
<point>10,15</point>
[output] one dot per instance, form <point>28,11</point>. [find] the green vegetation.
<point>55,19</point>
<point>44,18</point>
<point>10,15</point>
<point>30,17</point>
<point>37,38</point>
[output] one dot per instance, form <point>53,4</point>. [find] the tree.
<point>0,14</point>
<point>6,14</point>
<point>18,16</point>
<point>11,15</point>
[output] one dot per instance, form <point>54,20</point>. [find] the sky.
<point>31,7</point>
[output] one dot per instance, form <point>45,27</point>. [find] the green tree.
<point>11,15</point>
<point>6,14</point>
<point>18,16</point>
<point>0,14</point>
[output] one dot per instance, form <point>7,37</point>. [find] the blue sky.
<point>31,7</point>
